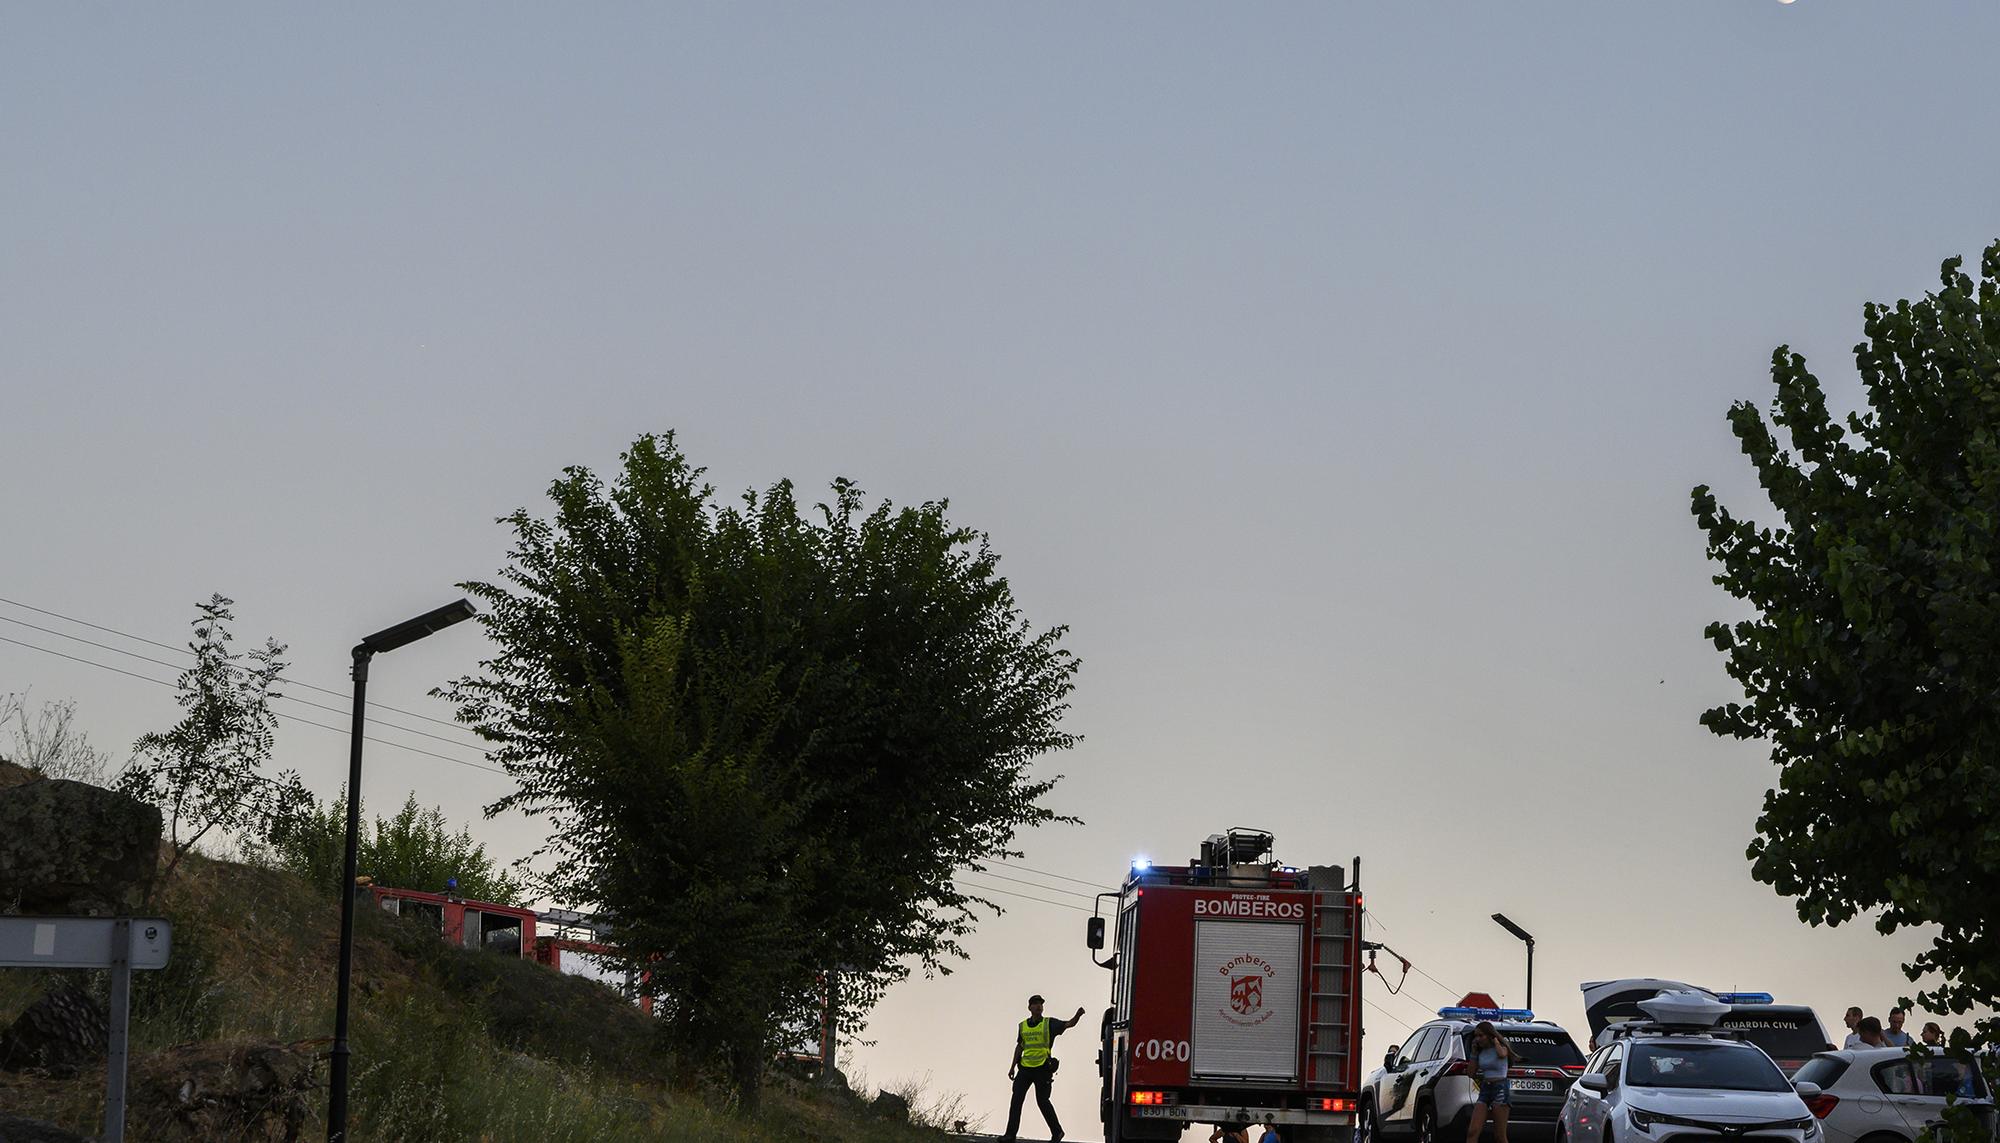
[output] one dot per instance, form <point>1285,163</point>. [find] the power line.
<point>1377,918</point>
<point>1045,873</point>
<point>275,713</point>
<point>1387,1015</point>
<point>282,697</point>
<point>1033,884</point>
<point>1023,896</point>
<point>184,651</point>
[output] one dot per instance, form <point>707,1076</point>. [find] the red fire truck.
<point>1235,995</point>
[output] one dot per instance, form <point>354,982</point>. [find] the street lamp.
<point>388,639</point>
<point>1522,933</point>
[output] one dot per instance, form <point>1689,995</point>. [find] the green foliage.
<point>183,1001</point>
<point>207,771</point>
<point>416,849</point>
<point>427,1072</point>
<point>766,739</point>
<point>1872,662</point>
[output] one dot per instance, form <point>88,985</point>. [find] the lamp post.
<point>1522,933</point>
<point>388,639</point>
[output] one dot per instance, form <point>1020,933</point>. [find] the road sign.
<point>83,942</point>
<point>120,944</point>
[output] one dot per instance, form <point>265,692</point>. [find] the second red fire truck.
<point>1236,995</point>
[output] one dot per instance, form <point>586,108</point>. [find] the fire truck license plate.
<point>1534,1085</point>
<point>1156,1112</point>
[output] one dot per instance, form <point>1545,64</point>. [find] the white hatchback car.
<point>1881,1095</point>
<point>1653,1086</point>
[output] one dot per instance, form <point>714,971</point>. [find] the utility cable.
<point>281,697</point>
<point>1023,896</point>
<point>1387,1015</point>
<point>1046,873</point>
<point>184,651</point>
<point>276,713</point>
<point>1033,884</point>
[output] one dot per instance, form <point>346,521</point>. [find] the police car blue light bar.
<point>1745,998</point>
<point>1519,1014</point>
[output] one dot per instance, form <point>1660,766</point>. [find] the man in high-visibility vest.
<point>1034,1066</point>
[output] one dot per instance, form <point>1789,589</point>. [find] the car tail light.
<point>1574,1069</point>
<point>1332,1105</point>
<point>1821,1104</point>
<point>1149,1098</point>
<point>1458,1068</point>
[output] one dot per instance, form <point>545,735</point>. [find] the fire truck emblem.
<point>1246,994</point>
<point>1247,973</point>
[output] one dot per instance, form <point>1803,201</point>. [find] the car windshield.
<point>1542,1047</point>
<point>1782,1035</point>
<point>1716,1066</point>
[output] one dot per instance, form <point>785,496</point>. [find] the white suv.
<point>1661,1080</point>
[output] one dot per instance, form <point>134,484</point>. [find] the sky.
<point>1337,373</point>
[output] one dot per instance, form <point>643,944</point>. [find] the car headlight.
<point>1809,1126</point>
<point>1641,1118</point>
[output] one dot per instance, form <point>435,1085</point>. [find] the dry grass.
<point>448,1044</point>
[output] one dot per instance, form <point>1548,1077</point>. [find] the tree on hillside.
<point>206,773</point>
<point>416,849</point>
<point>1871,664</point>
<point>766,739</point>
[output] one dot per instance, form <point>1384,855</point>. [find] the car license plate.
<point>1156,1113</point>
<point>1533,1085</point>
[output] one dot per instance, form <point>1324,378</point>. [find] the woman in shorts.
<point>1491,1056</point>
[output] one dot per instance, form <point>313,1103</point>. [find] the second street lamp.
<point>1501,919</point>
<point>387,639</point>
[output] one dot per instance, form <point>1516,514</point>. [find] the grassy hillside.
<point>448,1044</point>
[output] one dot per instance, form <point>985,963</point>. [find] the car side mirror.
<point>1596,1083</point>
<point>1389,1057</point>
<point>1807,1089</point>
<point>1093,933</point>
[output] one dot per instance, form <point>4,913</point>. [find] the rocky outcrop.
<point>890,1105</point>
<point>61,1034</point>
<point>246,1091</point>
<point>70,848</point>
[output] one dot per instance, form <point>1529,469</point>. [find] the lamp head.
<point>411,630</point>
<point>1503,922</point>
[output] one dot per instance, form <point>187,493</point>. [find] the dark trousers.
<point>1039,1079</point>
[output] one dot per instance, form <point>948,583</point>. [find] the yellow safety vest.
<point>1035,1039</point>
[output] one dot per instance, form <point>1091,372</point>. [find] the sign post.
<point>121,944</point>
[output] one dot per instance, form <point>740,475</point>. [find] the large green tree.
<point>765,737</point>
<point>1871,661</point>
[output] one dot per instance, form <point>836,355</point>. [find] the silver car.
<point>1881,1095</point>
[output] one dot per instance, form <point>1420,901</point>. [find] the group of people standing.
<point>1868,1032</point>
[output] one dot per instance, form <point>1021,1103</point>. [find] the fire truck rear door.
<point>1246,1000</point>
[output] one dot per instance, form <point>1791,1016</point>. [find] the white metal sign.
<point>1247,983</point>
<point>120,944</point>
<point>83,942</point>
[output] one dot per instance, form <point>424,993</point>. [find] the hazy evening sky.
<point>1337,372</point>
